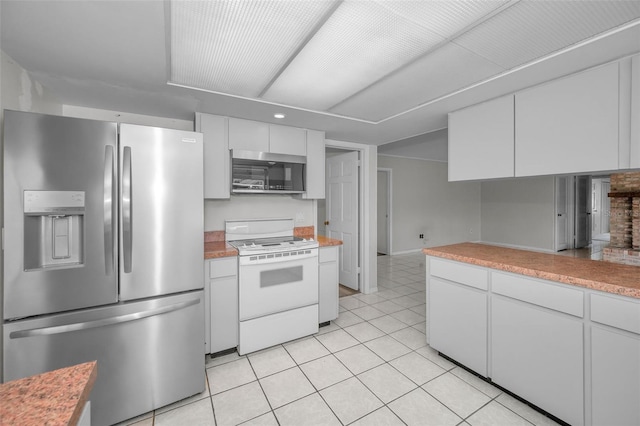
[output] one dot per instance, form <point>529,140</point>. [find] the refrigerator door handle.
<point>109,177</point>
<point>127,235</point>
<point>67,328</point>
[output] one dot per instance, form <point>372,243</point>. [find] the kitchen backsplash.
<point>299,231</point>
<point>257,207</point>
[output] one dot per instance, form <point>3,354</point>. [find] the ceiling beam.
<point>301,46</point>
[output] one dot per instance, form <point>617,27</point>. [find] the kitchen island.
<point>53,398</point>
<point>562,333</point>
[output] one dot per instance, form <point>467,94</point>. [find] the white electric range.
<point>277,282</point>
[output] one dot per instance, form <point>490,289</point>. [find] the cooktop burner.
<point>259,236</point>
<point>274,244</point>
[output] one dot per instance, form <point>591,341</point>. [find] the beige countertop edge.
<point>538,273</point>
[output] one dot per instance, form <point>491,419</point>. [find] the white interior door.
<point>605,206</point>
<point>582,211</point>
<point>342,212</point>
<point>383,212</point>
<point>562,213</point>
<point>596,207</point>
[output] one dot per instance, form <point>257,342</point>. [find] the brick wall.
<point>625,182</point>
<point>624,220</point>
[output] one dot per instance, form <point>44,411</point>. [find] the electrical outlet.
<point>421,236</point>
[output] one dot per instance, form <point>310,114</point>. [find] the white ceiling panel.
<point>445,18</point>
<point>532,29</point>
<point>359,44</point>
<point>237,47</point>
<point>444,71</point>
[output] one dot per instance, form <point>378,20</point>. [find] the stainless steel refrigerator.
<point>103,258</point>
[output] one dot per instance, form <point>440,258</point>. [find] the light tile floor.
<point>371,366</point>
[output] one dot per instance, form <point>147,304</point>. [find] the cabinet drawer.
<point>328,254</point>
<point>460,273</point>
<point>539,293</point>
<point>223,267</point>
<point>623,314</point>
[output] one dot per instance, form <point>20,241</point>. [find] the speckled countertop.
<point>217,249</point>
<point>593,274</point>
<point>52,398</point>
<point>326,241</point>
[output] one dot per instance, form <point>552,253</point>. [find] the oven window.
<point>280,276</point>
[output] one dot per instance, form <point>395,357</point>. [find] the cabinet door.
<point>481,141</point>
<point>216,155</point>
<point>248,135</point>
<point>538,355</point>
<point>328,284</point>
<point>458,323</point>
<point>315,185</point>
<point>224,303</point>
<point>615,370</point>
<point>287,140</point>
<point>569,125</point>
<point>207,309</point>
<point>224,313</point>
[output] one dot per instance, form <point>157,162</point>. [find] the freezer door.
<point>162,218</point>
<point>149,353</point>
<point>60,216</point>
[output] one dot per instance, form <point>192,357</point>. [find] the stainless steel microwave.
<point>264,172</point>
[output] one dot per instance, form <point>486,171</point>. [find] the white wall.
<point>125,117</point>
<point>424,202</point>
<point>18,92</point>
<point>429,146</point>
<point>519,212</point>
<point>257,207</point>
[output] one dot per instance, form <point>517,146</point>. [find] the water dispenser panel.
<point>53,229</point>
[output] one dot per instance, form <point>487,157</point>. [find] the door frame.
<point>389,174</point>
<point>368,232</point>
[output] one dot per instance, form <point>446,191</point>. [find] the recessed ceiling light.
<point>279,115</point>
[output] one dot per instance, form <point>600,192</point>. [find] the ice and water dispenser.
<point>53,229</point>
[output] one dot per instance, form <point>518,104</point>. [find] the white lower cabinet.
<point>615,361</point>
<point>464,310</point>
<point>537,354</point>
<point>573,352</point>
<point>457,307</point>
<point>222,277</point>
<point>328,283</point>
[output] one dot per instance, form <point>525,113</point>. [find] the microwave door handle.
<point>127,225</point>
<point>109,177</point>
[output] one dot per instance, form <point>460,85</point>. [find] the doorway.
<point>384,211</point>
<point>600,206</point>
<point>573,204</point>
<point>342,211</point>
<point>367,222</point>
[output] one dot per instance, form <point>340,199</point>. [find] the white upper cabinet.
<point>287,140</point>
<point>248,135</point>
<point>315,165</point>
<point>569,125</point>
<point>221,134</point>
<point>216,155</point>
<point>481,141</point>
